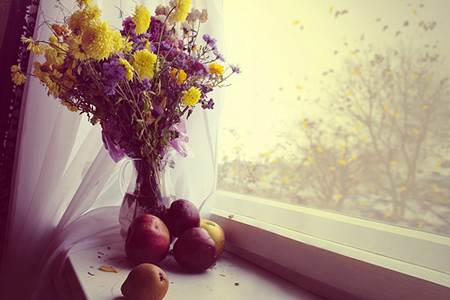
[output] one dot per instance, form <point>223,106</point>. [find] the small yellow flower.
<point>179,74</point>
<point>75,48</point>
<point>182,10</point>
<point>215,68</point>
<point>38,73</point>
<point>17,76</point>
<point>128,68</point>
<point>144,63</point>
<point>54,57</point>
<point>97,41</point>
<point>141,19</point>
<point>118,41</point>
<point>191,96</point>
<point>53,88</point>
<point>32,46</point>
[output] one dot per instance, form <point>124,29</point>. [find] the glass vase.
<point>149,190</point>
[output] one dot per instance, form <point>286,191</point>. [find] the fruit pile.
<point>198,244</point>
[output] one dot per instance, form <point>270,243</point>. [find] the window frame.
<point>335,255</point>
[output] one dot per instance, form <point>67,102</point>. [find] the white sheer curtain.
<point>65,190</point>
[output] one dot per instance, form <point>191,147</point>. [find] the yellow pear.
<point>216,232</point>
<point>145,282</point>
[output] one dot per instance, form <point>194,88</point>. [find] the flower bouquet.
<point>139,83</point>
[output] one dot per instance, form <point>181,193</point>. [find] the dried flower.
<point>17,75</point>
<point>144,63</point>
<point>141,19</point>
<point>181,10</point>
<point>128,69</point>
<point>140,83</point>
<point>191,96</point>
<point>215,68</point>
<point>203,16</point>
<point>97,41</point>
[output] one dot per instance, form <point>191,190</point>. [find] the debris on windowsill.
<point>223,275</point>
<point>236,284</point>
<point>109,269</point>
<point>92,274</point>
<point>230,216</point>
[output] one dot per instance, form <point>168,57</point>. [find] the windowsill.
<point>304,248</point>
<point>231,278</point>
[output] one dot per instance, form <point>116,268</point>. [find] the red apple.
<point>195,250</point>
<point>148,240</point>
<point>181,216</point>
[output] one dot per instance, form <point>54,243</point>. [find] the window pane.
<point>341,105</point>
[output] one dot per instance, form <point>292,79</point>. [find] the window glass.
<point>341,105</point>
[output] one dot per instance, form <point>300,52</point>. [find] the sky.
<point>284,47</point>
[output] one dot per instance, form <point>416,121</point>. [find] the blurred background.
<point>342,106</point>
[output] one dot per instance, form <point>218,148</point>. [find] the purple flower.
<point>208,105</point>
<point>197,68</point>
<point>113,72</point>
<point>218,55</point>
<point>129,28</point>
<point>155,30</point>
<point>146,84</point>
<point>210,41</point>
<point>235,69</point>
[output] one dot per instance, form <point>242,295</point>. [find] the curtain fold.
<point>66,182</point>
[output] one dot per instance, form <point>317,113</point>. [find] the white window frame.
<point>335,255</point>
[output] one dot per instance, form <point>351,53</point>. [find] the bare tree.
<point>401,101</point>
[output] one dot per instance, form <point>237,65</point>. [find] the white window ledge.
<point>231,278</point>
<point>326,253</point>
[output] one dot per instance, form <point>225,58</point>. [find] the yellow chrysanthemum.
<point>82,18</point>
<point>17,76</point>
<point>191,96</point>
<point>215,68</point>
<point>179,74</point>
<point>127,46</point>
<point>54,42</point>
<point>97,41</point>
<point>144,63</point>
<point>182,10</point>
<point>128,68</point>
<point>117,41</point>
<point>141,19</point>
